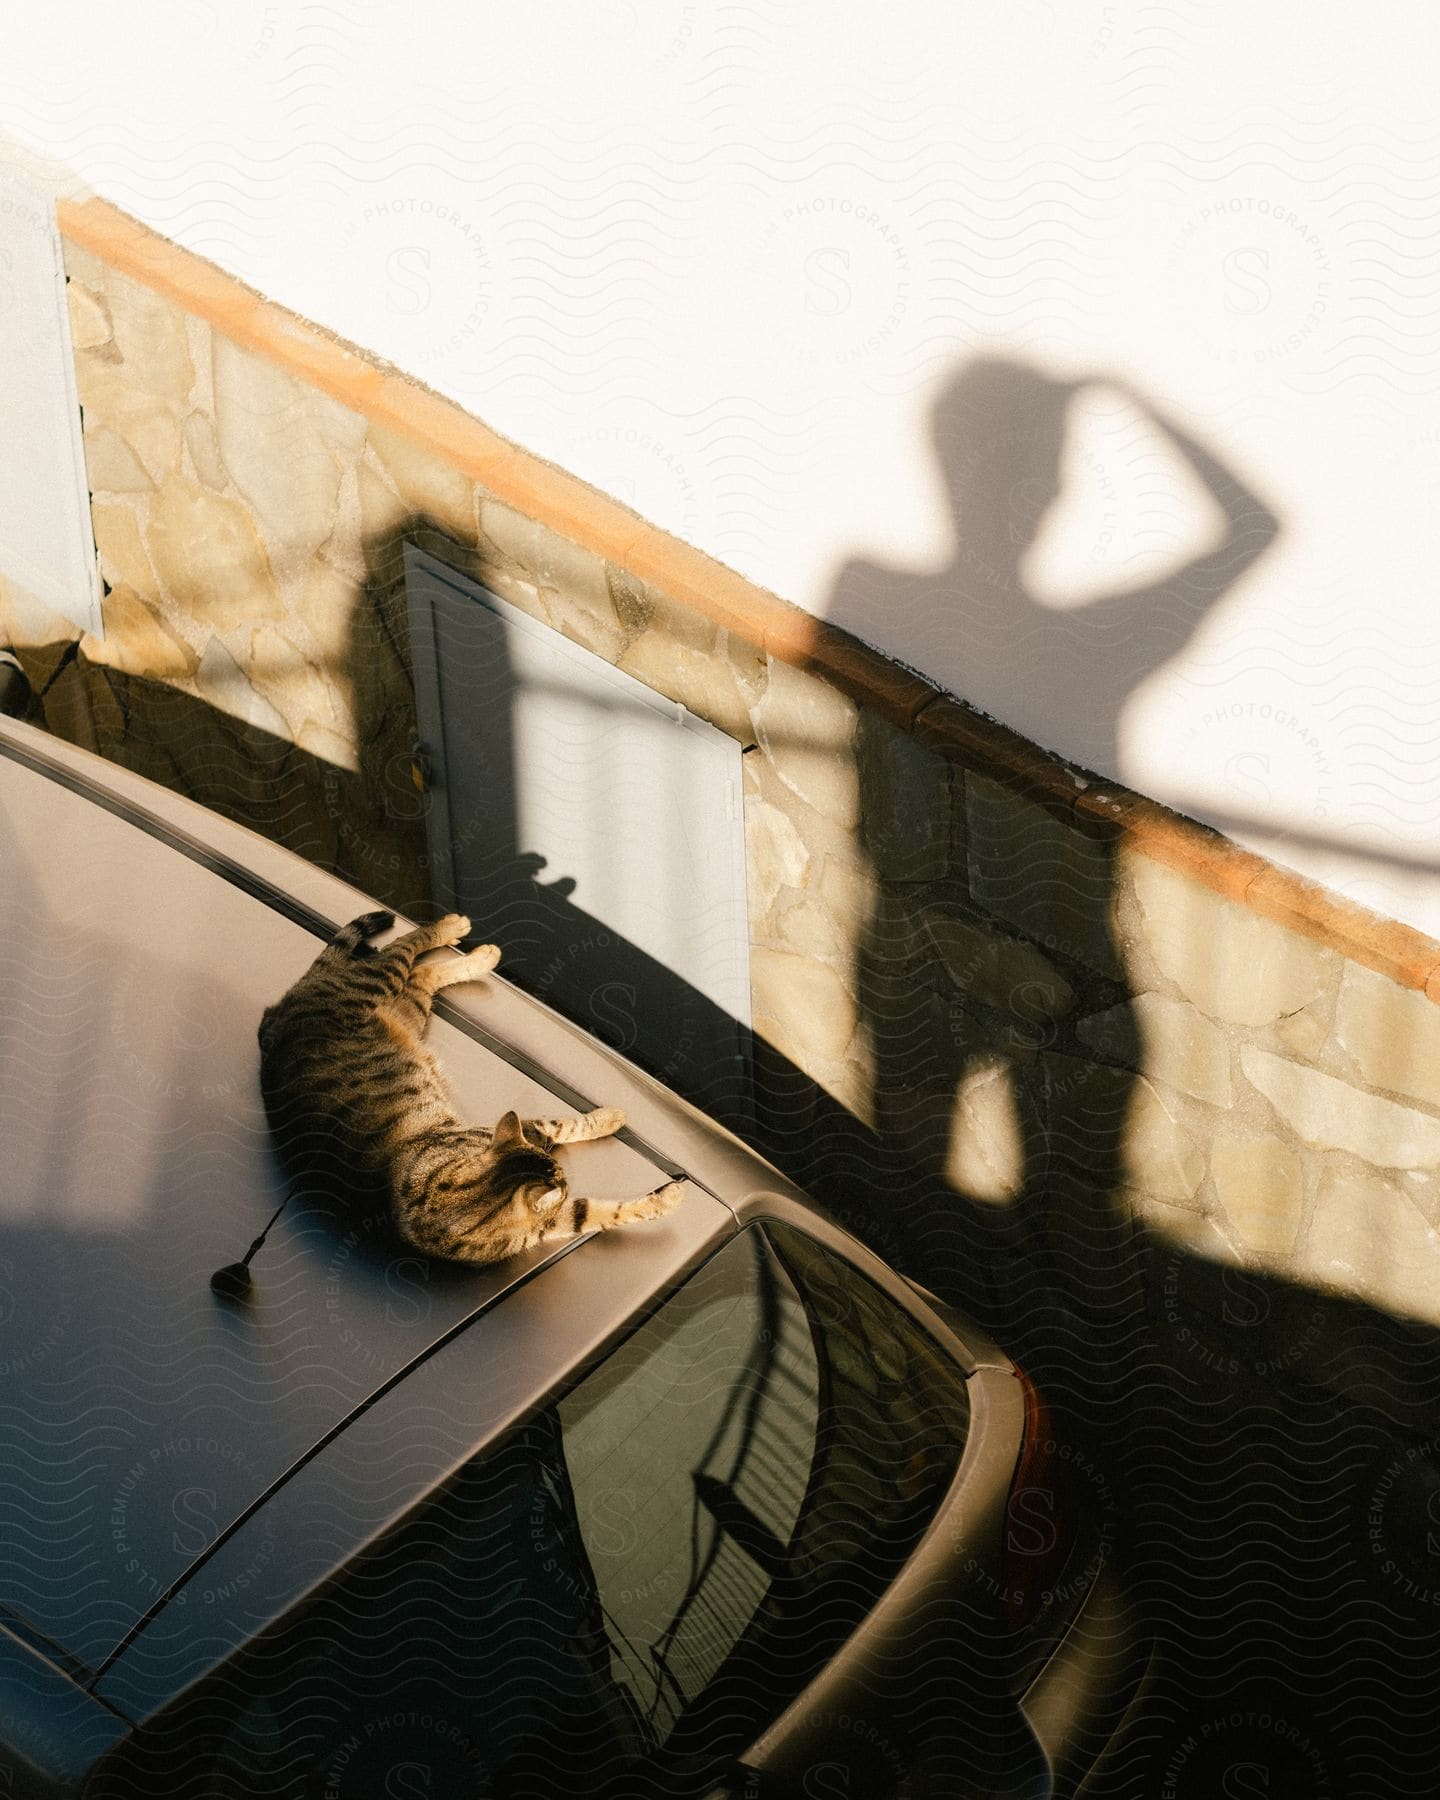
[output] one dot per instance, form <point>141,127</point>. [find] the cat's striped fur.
<point>343,1071</point>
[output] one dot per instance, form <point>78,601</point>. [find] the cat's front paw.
<point>451,929</point>
<point>483,958</point>
<point>665,1200</point>
<point>605,1121</point>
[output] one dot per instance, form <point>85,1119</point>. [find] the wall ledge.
<point>522,480</point>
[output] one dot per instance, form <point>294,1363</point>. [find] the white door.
<point>590,827</point>
<point>46,543</point>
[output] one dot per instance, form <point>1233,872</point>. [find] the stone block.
<point>283,667</point>
<point>326,610</point>
<point>204,448</point>
<point>701,681</point>
<point>1169,1039</point>
<point>220,680</point>
<point>1331,1115</point>
<point>1228,961</point>
<point>382,518</point>
<point>149,332</point>
<point>89,317</point>
<point>1391,1034</point>
<point>83,265</point>
<point>775,857</point>
<point>850,894</point>
<point>259,400</point>
<point>138,641</point>
<point>908,816</point>
<point>39,661</point>
<point>547,558</point>
<point>676,651</point>
<point>806,732</point>
<point>1159,1155</point>
<point>330,746</point>
<point>146,424</point>
<point>1181,1226</point>
<point>985,1159</point>
<point>802,923</point>
<point>209,558</point>
<point>1040,873</point>
<point>1259,1185</point>
<point>897,947</point>
<point>1304,1032</point>
<point>994,970</point>
<point>270,440</point>
<point>915,1076</point>
<point>634,603</point>
<point>1086,1106</point>
<point>111,466</point>
<point>124,561</point>
<point>290,451</point>
<point>1368,1239</point>
<point>802,1007</point>
<point>821,835</point>
<point>429,486</point>
<point>80,706</point>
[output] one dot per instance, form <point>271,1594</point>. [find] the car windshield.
<point>629,1588</point>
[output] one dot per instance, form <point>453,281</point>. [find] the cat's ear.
<point>507,1134</point>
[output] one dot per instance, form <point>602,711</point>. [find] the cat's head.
<point>524,1166</point>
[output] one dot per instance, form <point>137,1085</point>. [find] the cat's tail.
<point>349,938</point>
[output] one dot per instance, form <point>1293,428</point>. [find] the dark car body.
<point>206,1507</point>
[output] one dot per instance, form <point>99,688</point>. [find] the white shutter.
<point>46,542</point>
<point>538,750</point>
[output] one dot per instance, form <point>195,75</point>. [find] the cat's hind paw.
<point>605,1121</point>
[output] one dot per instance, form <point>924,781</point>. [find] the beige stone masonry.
<point>1229,963</point>
<point>1331,1115</point>
<point>986,1155</point>
<point>1040,873</point>
<point>1259,1184</point>
<point>999,971</point>
<point>1368,1239</point>
<point>1390,1033</point>
<point>1177,1044</point>
<point>1160,1155</point>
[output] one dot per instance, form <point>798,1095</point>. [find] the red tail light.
<point>1039,1514</point>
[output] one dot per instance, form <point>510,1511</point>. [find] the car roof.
<point>139,1416</point>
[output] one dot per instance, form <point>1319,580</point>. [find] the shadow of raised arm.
<point>1156,621</point>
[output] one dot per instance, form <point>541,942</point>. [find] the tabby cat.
<point>344,1073</point>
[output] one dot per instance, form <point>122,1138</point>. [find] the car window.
<point>800,1431</point>
<point>690,1454</point>
<point>637,1580</point>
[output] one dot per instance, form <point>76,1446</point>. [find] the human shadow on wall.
<point>995,938</point>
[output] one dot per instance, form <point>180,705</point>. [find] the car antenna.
<point>234,1282</point>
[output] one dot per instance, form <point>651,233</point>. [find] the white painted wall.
<point>723,259</point>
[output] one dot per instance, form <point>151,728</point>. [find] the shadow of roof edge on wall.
<point>521,479</point>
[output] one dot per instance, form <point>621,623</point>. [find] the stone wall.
<point>960,960</point>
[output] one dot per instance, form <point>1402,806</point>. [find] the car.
<point>718,1504</point>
